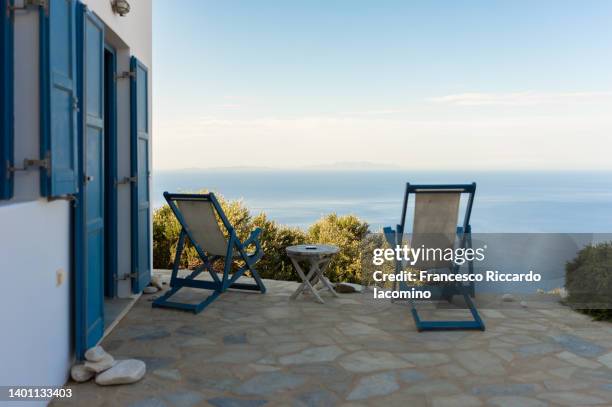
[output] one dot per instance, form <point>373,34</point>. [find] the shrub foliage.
<point>588,280</point>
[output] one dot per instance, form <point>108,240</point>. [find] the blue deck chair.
<point>436,211</point>
<point>197,214</point>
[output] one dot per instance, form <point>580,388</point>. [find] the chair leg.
<point>177,257</point>
<point>164,302</point>
<point>257,278</point>
<point>475,324</point>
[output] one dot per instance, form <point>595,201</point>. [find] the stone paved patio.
<point>249,349</point>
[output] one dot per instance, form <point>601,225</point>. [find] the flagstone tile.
<point>235,402</point>
<point>505,389</point>
<point>266,384</point>
<point>571,398</point>
<point>606,360</point>
<point>434,387</point>
<point>515,401</point>
<point>312,355</point>
<point>480,362</point>
<point>426,359</point>
<point>374,385</point>
<point>460,400</point>
<point>365,361</point>
<point>578,360</point>
<point>318,398</point>
<point>579,346</point>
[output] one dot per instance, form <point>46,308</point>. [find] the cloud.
<point>229,106</point>
<point>527,141</point>
<point>568,130</point>
<point>521,98</point>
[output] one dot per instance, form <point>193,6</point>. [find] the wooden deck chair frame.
<point>236,250</point>
<point>394,237</point>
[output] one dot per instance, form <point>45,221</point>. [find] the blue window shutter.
<point>140,149</point>
<point>6,102</point>
<point>58,99</point>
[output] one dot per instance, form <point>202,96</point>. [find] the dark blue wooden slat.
<point>140,169</point>
<point>110,160</point>
<point>7,132</point>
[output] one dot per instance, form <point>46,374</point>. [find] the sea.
<point>505,202</point>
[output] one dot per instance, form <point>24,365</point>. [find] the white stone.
<point>508,298</point>
<point>150,289</point>
<point>96,354</point>
<point>523,304</point>
<point>156,282</point>
<point>349,287</point>
<point>124,372</point>
<point>80,373</point>
<point>319,285</point>
<point>101,365</point>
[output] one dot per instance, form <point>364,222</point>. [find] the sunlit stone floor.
<point>249,349</point>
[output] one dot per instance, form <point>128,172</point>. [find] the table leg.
<point>320,268</point>
<point>306,282</point>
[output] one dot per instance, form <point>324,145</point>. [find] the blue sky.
<point>528,84</point>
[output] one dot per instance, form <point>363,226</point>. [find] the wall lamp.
<point>121,7</point>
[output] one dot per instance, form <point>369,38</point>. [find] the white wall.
<point>35,343</point>
<point>27,183</point>
<point>135,28</point>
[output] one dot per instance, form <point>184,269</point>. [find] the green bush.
<point>275,238</point>
<point>588,280</point>
<point>166,230</point>
<point>346,232</point>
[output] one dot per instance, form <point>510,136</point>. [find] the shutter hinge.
<point>126,276</point>
<point>126,180</point>
<point>29,163</point>
<point>24,4</point>
<point>70,198</point>
<point>125,75</point>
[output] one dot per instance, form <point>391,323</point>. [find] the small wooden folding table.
<point>318,257</point>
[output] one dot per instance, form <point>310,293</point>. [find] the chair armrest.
<point>390,235</point>
<point>253,239</point>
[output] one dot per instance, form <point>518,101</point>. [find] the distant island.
<point>337,166</point>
